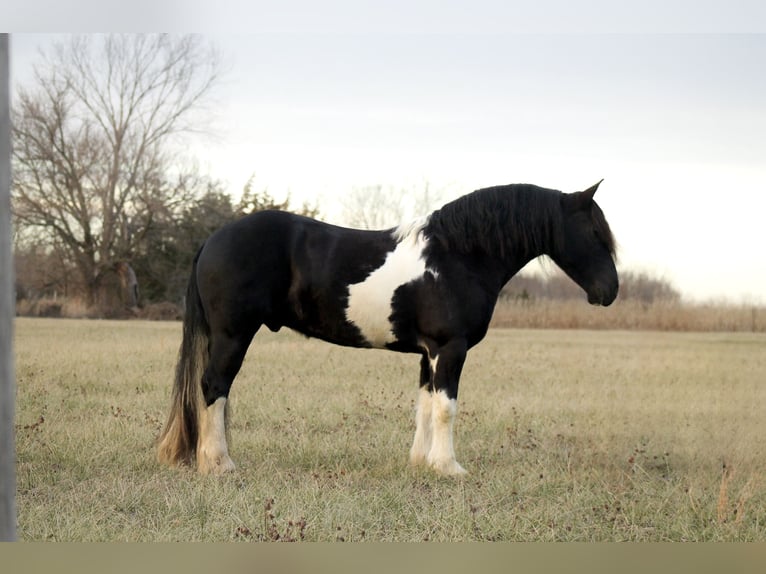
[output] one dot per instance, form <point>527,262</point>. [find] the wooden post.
<point>7,313</point>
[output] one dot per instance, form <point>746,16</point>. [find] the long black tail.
<point>178,441</point>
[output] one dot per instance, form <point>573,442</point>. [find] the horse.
<point>427,287</point>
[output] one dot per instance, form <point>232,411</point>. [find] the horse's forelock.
<point>603,231</point>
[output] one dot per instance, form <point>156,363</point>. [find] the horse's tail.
<point>178,441</point>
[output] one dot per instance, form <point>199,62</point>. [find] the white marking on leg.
<point>369,302</point>
<point>422,442</point>
<point>212,451</point>
<point>433,362</point>
<point>441,457</point>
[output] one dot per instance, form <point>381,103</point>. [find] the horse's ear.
<point>580,199</point>
<point>591,191</point>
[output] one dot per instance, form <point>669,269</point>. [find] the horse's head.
<point>587,250</point>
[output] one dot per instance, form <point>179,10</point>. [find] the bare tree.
<point>93,161</point>
<point>378,207</point>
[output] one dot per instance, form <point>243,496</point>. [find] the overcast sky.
<point>675,124</point>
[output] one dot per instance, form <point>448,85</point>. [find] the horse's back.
<point>284,269</point>
<point>250,244</point>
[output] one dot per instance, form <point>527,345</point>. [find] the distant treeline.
<point>645,302</point>
<point>529,300</point>
<point>634,286</point>
<point>628,315</point>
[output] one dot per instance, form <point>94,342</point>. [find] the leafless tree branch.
<point>91,141</point>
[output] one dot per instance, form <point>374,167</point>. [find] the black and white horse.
<point>428,287</point>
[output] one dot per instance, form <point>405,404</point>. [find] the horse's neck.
<point>510,266</point>
<point>486,237</point>
<point>509,256</point>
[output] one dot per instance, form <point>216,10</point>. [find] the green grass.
<point>567,435</point>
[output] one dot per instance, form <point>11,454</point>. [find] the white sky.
<point>676,124</point>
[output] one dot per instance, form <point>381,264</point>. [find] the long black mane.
<point>520,219</point>
<point>500,220</point>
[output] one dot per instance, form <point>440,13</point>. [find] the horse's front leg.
<point>446,366</point>
<point>421,445</point>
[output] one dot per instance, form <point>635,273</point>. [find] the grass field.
<point>567,435</point>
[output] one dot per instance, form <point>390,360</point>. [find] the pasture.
<point>567,435</point>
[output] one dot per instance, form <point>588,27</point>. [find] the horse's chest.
<point>370,301</point>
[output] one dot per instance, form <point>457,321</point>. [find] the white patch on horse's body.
<point>421,445</point>
<point>212,452</point>
<point>369,302</point>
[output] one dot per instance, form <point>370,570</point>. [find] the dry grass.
<point>72,308</point>
<point>567,435</point>
<point>630,315</point>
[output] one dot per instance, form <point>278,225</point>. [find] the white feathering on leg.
<point>212,451</point>
<point>422,442</point>
<point>441,457</point>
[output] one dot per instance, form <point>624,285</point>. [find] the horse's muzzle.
<point>603,297</point>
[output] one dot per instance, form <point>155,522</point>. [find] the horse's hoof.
<point>448,468</point>
<point>217,466</point>
<point>417,459</point>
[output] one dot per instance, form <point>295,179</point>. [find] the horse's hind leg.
<point>226,355</point>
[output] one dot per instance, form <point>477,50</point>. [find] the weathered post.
<point>7,385</point>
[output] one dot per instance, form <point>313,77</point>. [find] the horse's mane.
<point>518,218</point>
